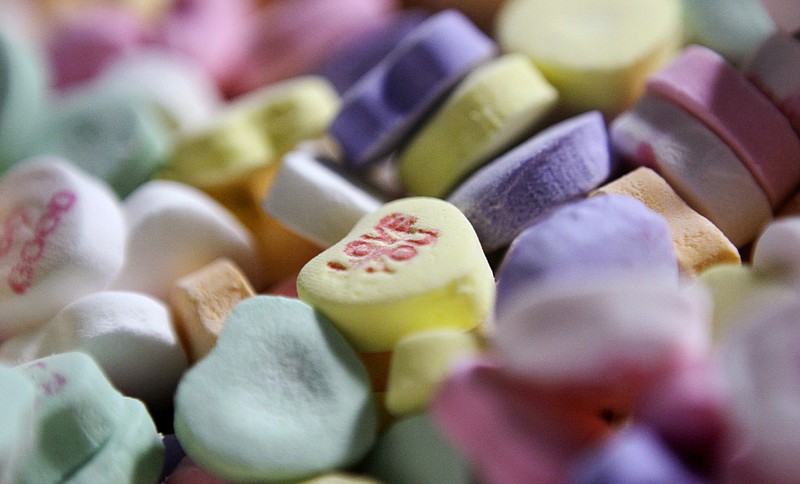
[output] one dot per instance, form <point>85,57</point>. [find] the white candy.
<point>129,335</point>
<point>175,229</point>
<point>173,83</point>
<point>316,201</point>
<point>759,362</point>
<point>62,236</point>
<point>595,330</point>
<point>777,250</point>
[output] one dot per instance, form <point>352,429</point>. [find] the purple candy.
<point>390,100</point>
<point>635,455</point>
<point>362,53</point>
<point>606,232</point>
<point>556,165</point>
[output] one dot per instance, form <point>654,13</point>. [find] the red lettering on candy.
<point>19,223</point>
<point>395,238</point>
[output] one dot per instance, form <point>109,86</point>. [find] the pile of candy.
<point>359,241</point>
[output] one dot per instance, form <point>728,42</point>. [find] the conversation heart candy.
<point>129,335</point>
<point>16,420</point>
<point>317,199</point>
<point>113,136</point>
<point>698,243</point>
<point>698,165</point>
<point>202,301</point>
<point>557,164</point>
<point>769,148</point>
<point>413,264</point>
<point>77,413</point>
<point>63,236</point>
<point>776,251</point>
<point>282,396</point>
<point>385,105</point>
<point>397,456</point>
<point>23,86</point>
<point>133,455</point>
<point>596,53</point>
<point>488,112</point>
<point>420,362</point>
<point>174,229</point>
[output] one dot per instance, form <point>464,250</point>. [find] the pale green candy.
<point>413,451</point>
<point>77,412</point>
<point>134,455</point>
<point>23,84</point>
<point>117,138</point>
<point>734,28</point>
<point>16,421</point>
<point>281,396</point>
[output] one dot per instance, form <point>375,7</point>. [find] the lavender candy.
<point>388,102</point>
<point>635,455</point>
<point>560,163</point>
<point>360,54</point>
<point>608,233</point>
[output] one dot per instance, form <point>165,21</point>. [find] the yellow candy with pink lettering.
<point>412,265</point>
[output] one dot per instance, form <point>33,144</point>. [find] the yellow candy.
<point>698,243</point>
<point>488,112</point>
<point>597,53</point>
<point>202,301</point>
<point>420,363</point>
<point>414,264</point>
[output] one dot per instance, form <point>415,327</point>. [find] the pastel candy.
<point>16,420</point>
<point>776,252</point>
<point>113,136</point>
<point>488,112</point>
<point>23,84</point>
<point>81,47</point>
<point>202,301</point>
<point>595,60</point>
<point>282,396</point>
<point>63,236</point>
<point>291,111</point>
<point>133,455</point>
<point>316,199</point>
<point>77,414</point>
<point>129,335</point>
<point>775,69</point>
<point>635,454</point>
<point>770,148</point>
<point>738,291</point>
<point>592,236</point>
<point>509,430</point>
<point>760,375</point>
<point>413,450</point>
<point>180,89</point>
<point>698,243</point>
<point>420,362</point>
<point>784,13</point>
<point>385,105</point>
<point>174,229</point>
<point>734,28</point>
<point>210,32</point>
<point>612,330</point>
<point>413,264</point>
<point>555,165</point>
<point>698,165</point>
<point>219,152</point>
<point>290,38</point>
<point>21,348</point>
<point>362,51</point>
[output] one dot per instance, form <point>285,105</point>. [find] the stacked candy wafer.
<point>380,241</point>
